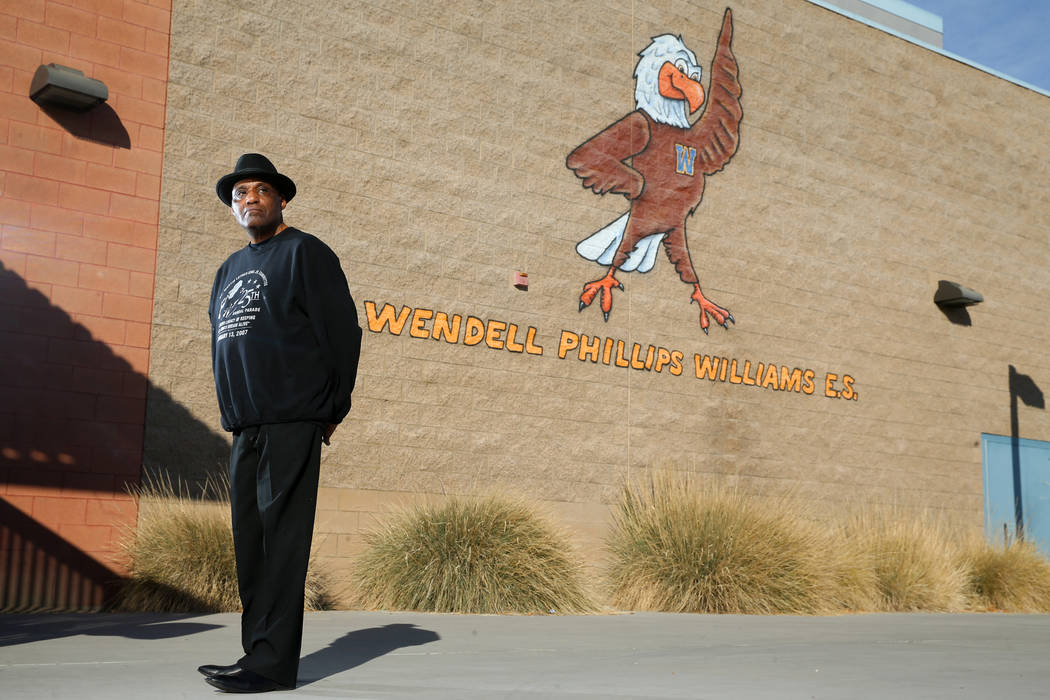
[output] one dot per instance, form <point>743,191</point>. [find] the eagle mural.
<point>658,161</point>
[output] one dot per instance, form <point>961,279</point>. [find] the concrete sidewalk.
<point>644,655</point>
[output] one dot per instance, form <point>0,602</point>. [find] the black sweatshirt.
<point>285,338</point>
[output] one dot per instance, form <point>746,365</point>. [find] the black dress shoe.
<point>211,669</point>
<point>242,680</point>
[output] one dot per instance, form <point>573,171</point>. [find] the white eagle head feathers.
<point>663,49</point>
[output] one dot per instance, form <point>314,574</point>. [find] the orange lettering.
<point>442,327</point>
<point>676,363</point>
<point>386,317</point>
<point>418,329</point>
<point>569,341</point>
<point>663,356</point>
<point>590,348</point>
<point>636,361</point>
<point>746,379</point>
<point>512,331</point>
<point>530,342</point>
<point>706,367</point>
<point>492,334</point>
<point>771,378</point>
<point>475,331</point>
<point>734,378</point>
<point>808,387</point>
<point>792,381</point>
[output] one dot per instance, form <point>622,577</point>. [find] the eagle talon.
<point>600,288</point>
<point>721,316</point>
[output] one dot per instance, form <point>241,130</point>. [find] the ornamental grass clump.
<point>180,557</point>
<point>677,547</point>
<point>1013,578</point>
<point>470,555</point>
<point>914,561</point>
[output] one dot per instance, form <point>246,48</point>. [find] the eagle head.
<point>667,81</point>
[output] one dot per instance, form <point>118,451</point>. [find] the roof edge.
<point>885,5</point>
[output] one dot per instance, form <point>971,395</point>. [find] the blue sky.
<point>1007,35</point>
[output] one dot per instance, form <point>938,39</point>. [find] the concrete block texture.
<point>429,143</point>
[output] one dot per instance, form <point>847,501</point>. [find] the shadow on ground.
<point>25,629</point>
<point>359,647</point>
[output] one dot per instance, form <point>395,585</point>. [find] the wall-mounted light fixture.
<point>62,86</point>
<point>521,281</point>
<point>953,295</point>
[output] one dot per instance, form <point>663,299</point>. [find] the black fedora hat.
<point>259,167</point>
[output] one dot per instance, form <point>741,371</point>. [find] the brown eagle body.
<point>661,169</point>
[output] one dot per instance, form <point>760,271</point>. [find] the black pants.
<point>273,492</point>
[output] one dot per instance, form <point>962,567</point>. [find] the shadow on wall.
<point>71,439</point>
<point>39,569</point>
<point>1025,390</point>
<point>100,124</point>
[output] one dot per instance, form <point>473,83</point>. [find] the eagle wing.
<point>718,130</point>
<point>599,161</point>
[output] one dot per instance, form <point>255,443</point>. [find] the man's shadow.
<point>359,647</point>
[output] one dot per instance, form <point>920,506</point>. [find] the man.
<point>285,346</point>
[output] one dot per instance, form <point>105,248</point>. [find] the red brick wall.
<point>79,198</point>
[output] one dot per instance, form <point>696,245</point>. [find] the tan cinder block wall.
<point>428,141</point>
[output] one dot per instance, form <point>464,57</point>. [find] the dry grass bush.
<point>1014,578</point>
<point>680,548</point>
<point>181,555</point>
<point>913,559</point>
<point>856,574</point>
<point>470,555</point>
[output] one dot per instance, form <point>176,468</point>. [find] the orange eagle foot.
<point>603,286</point>
<point>707,308</point>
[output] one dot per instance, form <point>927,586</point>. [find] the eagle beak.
<point>676,85</point>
